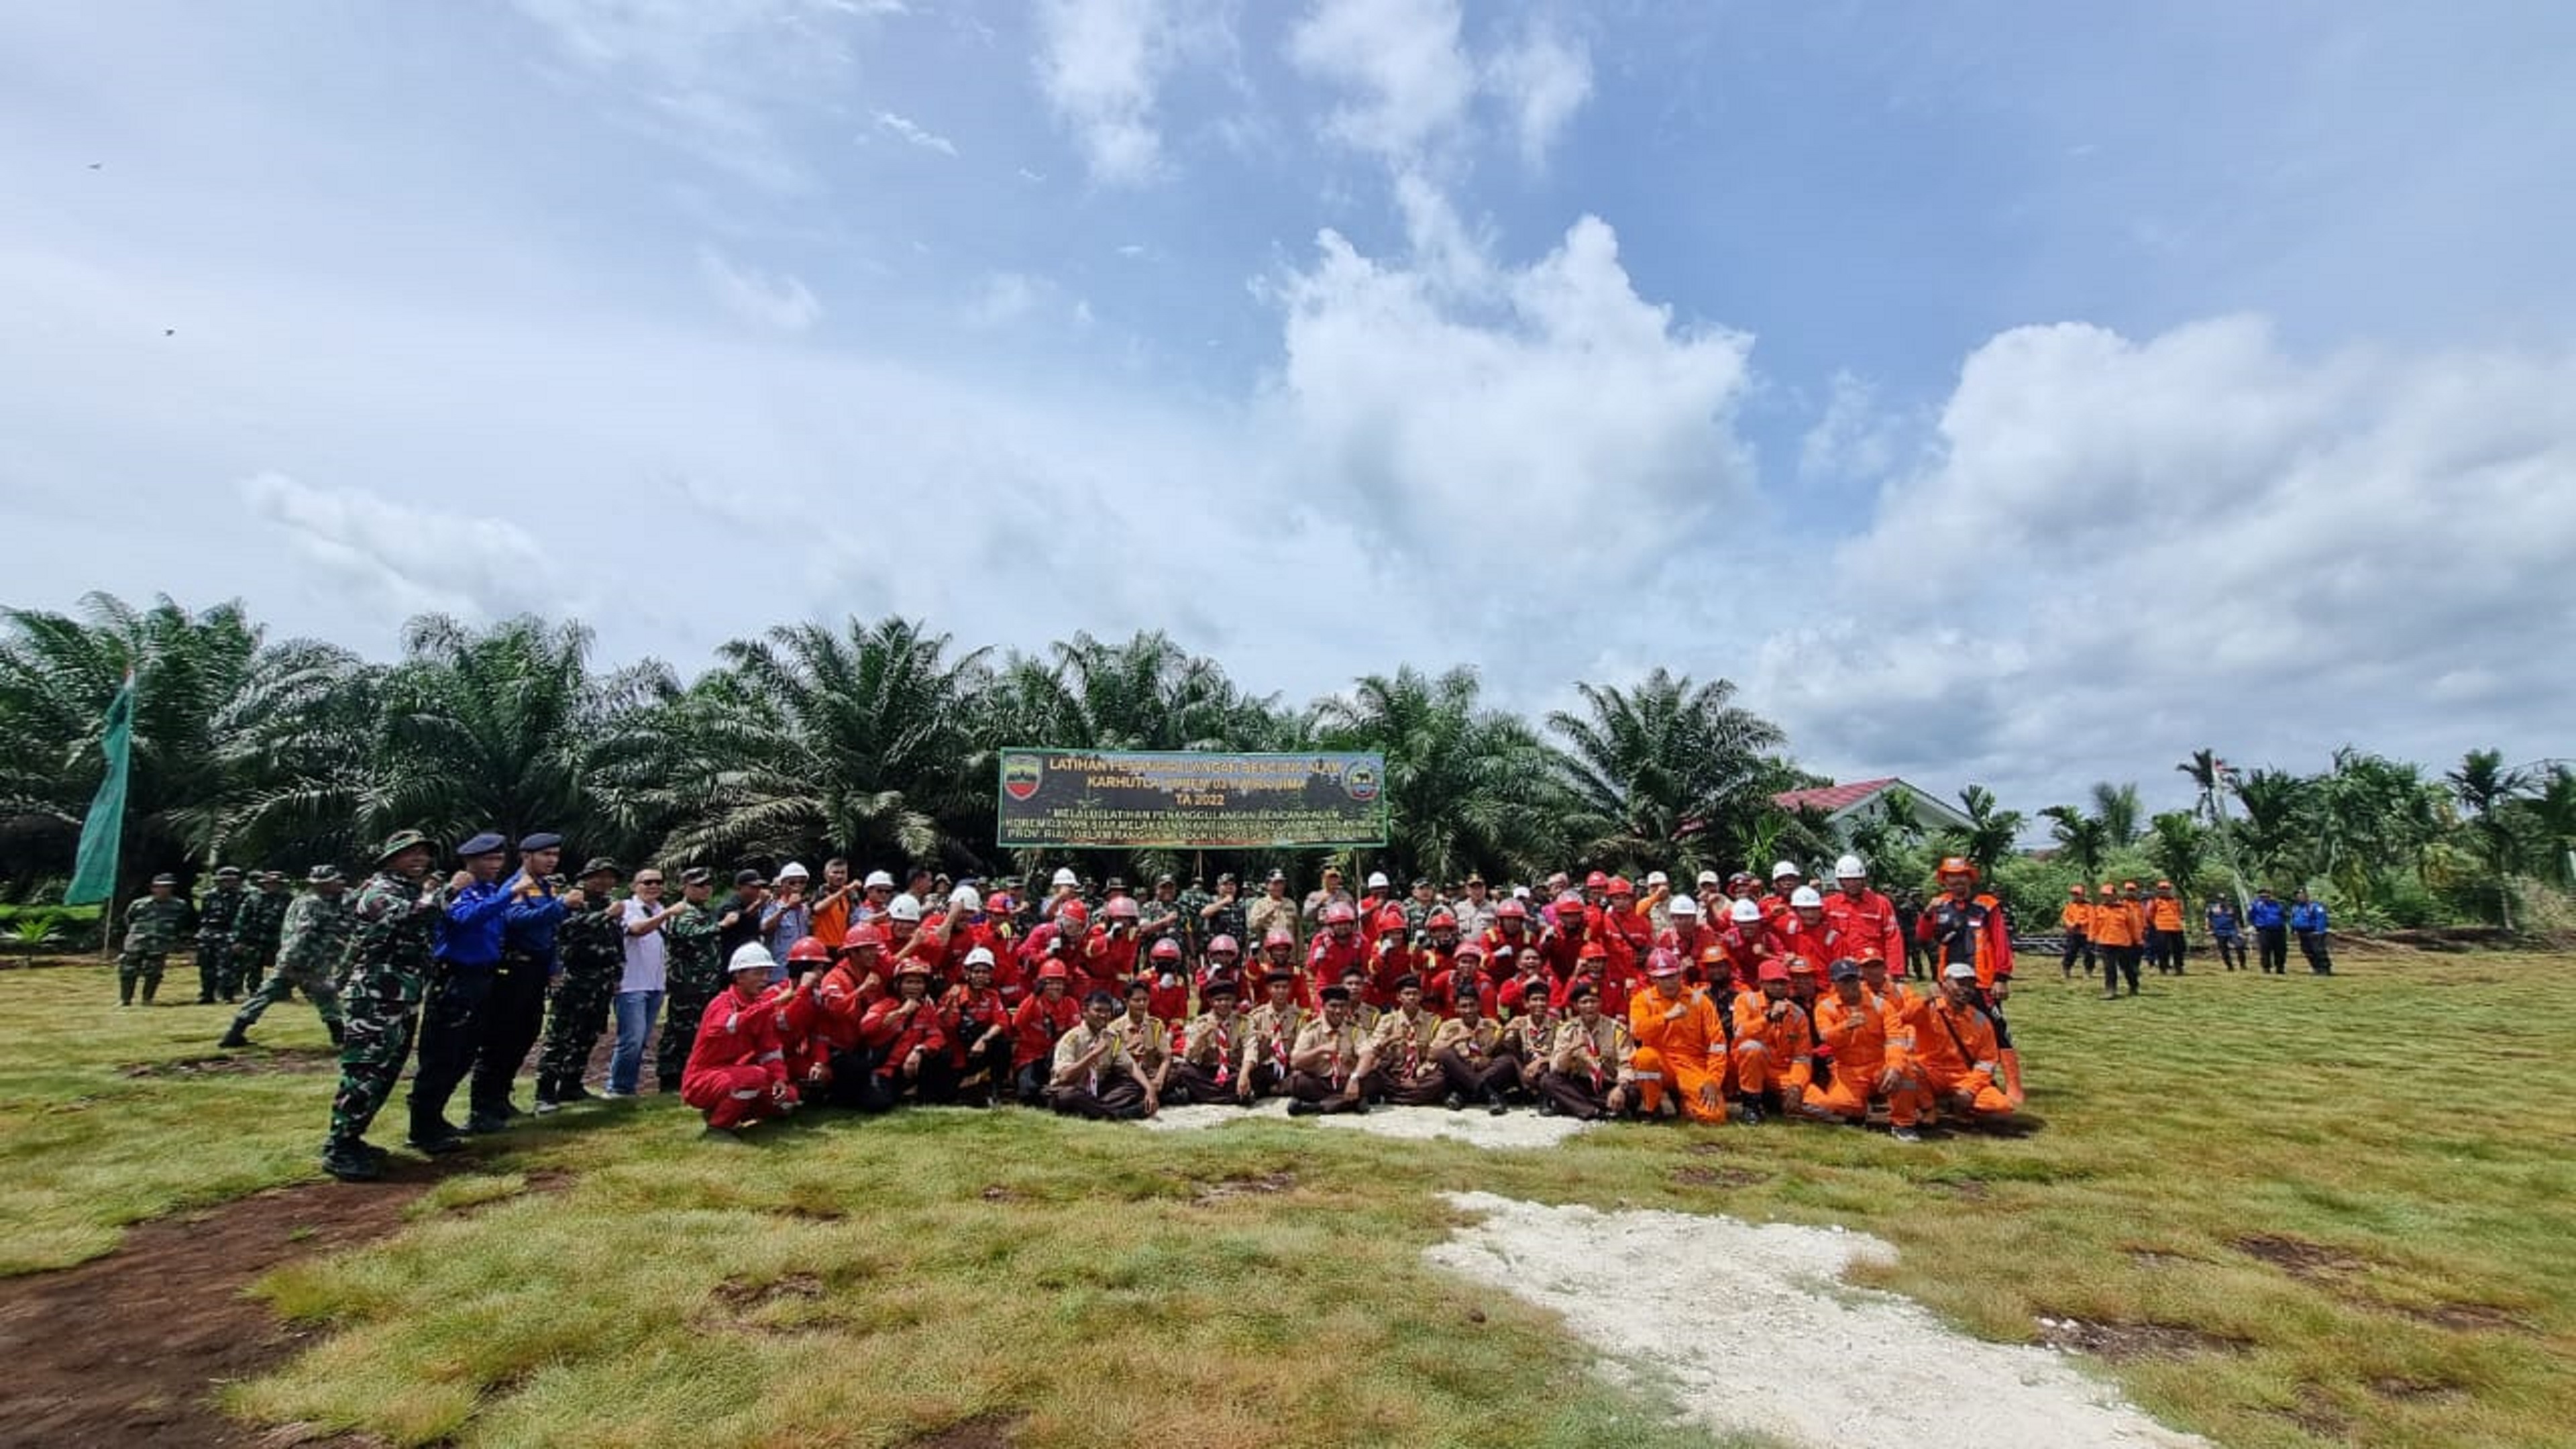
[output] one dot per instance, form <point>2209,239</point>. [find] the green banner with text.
<point>1134,799</point>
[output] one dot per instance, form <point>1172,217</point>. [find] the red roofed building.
<point>1842,802</point>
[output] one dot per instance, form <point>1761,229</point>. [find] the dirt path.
<point>128,1349</point>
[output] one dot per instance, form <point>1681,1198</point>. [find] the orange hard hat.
<point>1956,865</point>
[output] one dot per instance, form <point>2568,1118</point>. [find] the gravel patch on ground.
<point>1754,1329</point>
<point>1518,1128</point>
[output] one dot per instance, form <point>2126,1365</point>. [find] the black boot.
<point>150,989</point>
<point>339,1033</point>
<point>350,1161</point>
<point>234,1038</point>
<point>125,991</point>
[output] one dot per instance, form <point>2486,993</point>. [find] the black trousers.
<point>451,1027</point>
<point>2273,942</point>
<point>2231,951</point>
<point>2076,943</point>
<point>2312,944</point>
<point>2120,961</point>
<point>513,1018</point>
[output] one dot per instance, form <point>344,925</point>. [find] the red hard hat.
<point>1660,962</point>
<point>1470,948</point>
<point>1122,909</point>
<point>1596,882</point>
<point>1074,911</point>
<point>1619,886</point>
<point>809,948</point>
<point>1441,920</point>
<point>1391,919</point>
<point>1511,910</point>
<point>866,934</point>
<point>1339,914</point>
<point>1773,971</point>
<point>911,966</point>
<point>1054,971</point>
<point>1166,949</point>
<point>1594,951</point>
<point>1226,945</point>
<point>1279,936</point>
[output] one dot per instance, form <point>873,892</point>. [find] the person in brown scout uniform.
<point>1468,1050</point>
<point>1270,1036</point>
<point>1406,1075</point>
<point>1214,1048</point>
<point>1147,1040</point>
<point>1529,1039</point>
<point>1585,1078</point>
<point>1093,1075</point>
<point>1330,1061</point>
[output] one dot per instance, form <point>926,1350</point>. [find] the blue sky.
<point>2008,393</point>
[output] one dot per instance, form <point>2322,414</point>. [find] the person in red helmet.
<point>1278,956</point>
<point>1059,938</point>
<point>1224,957</point>
<point>856,982</point>
<point>797,998</point>
<point>736,1073</point>
<point>1560,945</point>
<point>1596,889</point>
<point>907,1044</point>
<point>1435,960</point>
<point>1747,942</point>
<point>1774,1052</point>
<point>1965,928</point>
<point>1336,949</point>
<point>1624,920</point>
<point>1035,1026</point>
<point>1109,956</point>
<point>977,1018</point>
<point>1167,984</point>
<point>1511,928</point>
<point>1462,970</point>
<point>1389,957</point>
<point>1863,918</point>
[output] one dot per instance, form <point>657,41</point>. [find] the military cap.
<point>1164,880</point>
<point>542,840</point>
<point>600,865</point>
<point>398,842</point>
<point>748,876</point>
<point>1275,874</point>
<point>697,875</point>
<point>232,872</point>
<point>489,842</point>
<point>322,875</point>
<point>1225,878</point>
<point>1117,883</point>
<point>165,878</point>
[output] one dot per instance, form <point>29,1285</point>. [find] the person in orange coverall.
<point>1954,1041</point>
<point>1774,1047</point>
<point>1681,1045</point>
<point>737,1073</point>
<point>2118,928</point>
<point>2075,922</point>
<point>1873,1057</point>
<point>2164,929</point>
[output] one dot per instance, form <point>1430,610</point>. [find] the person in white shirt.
<point>639,990</point>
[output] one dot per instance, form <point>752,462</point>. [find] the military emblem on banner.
<point>1360,782</point>
<point>1020,776</point>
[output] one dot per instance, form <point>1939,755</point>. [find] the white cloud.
<point>411,560</point>
<point>1402,58</point>
<point>908,130</point>
<point>2125,547</point>
<point>1853,439</point>
<point>781,302</point>
<point>1543,79</point>
<point>1100,63</point>
<point>1450,388</point>
<point>1004,298</point>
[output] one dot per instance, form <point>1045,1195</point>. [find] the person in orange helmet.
<point>2075,919</point>
<point>2164,929</point>
<point>1968,929</point>
<point>1955,1044</point>
<point>1774,1052</point>
<point>2119,928</point>
<point>1681,1045</point>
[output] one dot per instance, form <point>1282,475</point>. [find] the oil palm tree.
<point>1990,832</point>
<point>1467,787</point>
<point>2083,839</point>
<point>2487,791</point>
<point>1666,773</point>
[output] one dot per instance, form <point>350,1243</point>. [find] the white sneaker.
<point>544,1107</point>
<point>610,1094</point>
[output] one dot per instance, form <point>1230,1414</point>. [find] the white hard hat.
<point>1655,878</point>
<point>1064,876</point>
<point>1377,880</point>
<point>1685,906</point>
<point>904,908</point>
<point>877,880</point>
<point>980,956</point>
<point>752,956</point>
<point>1745,911</point>
<point>1850,868</point>
<point>1785,867</point>
<point>1520,893</point>
<point>1804,898</point>
<point>966,896</point>
<point>1709,878</point>
<point>794,871</point>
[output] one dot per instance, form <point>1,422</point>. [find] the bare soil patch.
<point>2301,1259</point>
<point>2318,1414</point>
<point>2414,1391</point>
<point>1234,1187</point>
<point>984,1431</point>
<point>127,1350</point>
<point>1966,1189</point>
<point>2466,1317</point>
<point>255,1062</point>
<point>742,1296</point>
<point>2129,1342</point>
<point>1718,1177</point>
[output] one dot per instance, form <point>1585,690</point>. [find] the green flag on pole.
<point>94,868</point>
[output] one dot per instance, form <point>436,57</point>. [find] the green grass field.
<point>2297,1212</point>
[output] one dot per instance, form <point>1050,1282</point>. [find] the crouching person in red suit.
<point>737,1072</point>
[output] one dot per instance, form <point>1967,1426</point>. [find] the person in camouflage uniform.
<point>314,936</point>
<point>592,944</point>
<point>263,929</point>
<point>384,974</point>
<point>219,920</point>
<point>696,977</point>
<point>1194,899</point>
<point>153,926</point>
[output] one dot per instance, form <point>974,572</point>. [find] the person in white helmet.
<point>737,1069</point>
<point>1861,916</point>
<point>789,916</point>
<point>1785,880</point>
<point>875,894</point>
<point>1745,944</point>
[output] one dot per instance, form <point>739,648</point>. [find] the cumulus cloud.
<point>1542,79</point>
<point>410,560</point>
<point>1853,438</point>
<point>781,302</point>
<point>906,129</point>
<point>1100,63</point>
<point>1412,82</point>
<point>1449,385</point>
<point>2192,539</point>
